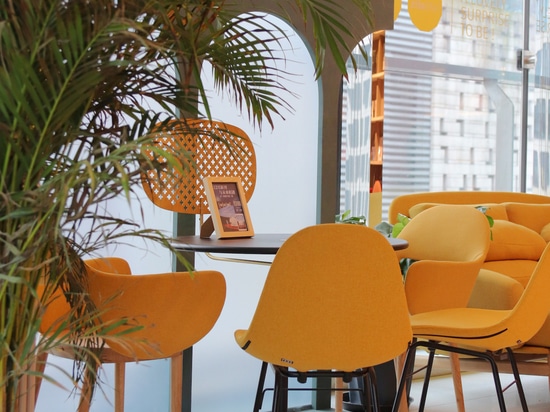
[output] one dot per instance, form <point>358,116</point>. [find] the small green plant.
<point>353,220</point>
<point>484,209</point>
<point>402,221</point>
<point>390,230</point>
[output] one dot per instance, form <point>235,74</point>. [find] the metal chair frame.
<point>433,346</point>
<point>281,389</point>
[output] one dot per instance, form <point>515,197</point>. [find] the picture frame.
<point>228,207</point>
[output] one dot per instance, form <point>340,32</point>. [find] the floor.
<point>479,394</point>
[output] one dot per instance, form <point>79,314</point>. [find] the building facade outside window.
<point>454,99</point>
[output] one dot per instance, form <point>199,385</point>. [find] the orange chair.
<point>203,148</point>
<point>448,244</point>
<point>483,333</point>
<point>333,304</point>
<point>164,314</point>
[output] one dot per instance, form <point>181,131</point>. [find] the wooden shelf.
<point>377,128</point>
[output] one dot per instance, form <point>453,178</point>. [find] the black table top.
<point>259,244</point>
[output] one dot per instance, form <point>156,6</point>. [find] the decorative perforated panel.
<point>202,148</point>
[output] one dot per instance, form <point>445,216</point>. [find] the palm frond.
<point>331,30</point>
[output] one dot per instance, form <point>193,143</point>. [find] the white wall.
<point>284,201</point>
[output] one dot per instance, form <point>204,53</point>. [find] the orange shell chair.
<point>448,244</point>
<point>481,333</point>
<point>333,304</point>
<point>172,310</point>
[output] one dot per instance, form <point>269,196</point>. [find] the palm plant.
<point>78,79</point>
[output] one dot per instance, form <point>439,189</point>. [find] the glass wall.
<point>356,155</point>
<point>539,98</point>
<point>456,115</point>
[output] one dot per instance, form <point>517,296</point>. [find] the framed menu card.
<point>228,207</point>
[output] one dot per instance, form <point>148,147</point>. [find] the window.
<point>460,123</point>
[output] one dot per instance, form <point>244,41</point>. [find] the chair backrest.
<point>165,313</point>
<point>57,308</point>
<point>203,148</point>
<point>333,299</point>
<point>449,243</point>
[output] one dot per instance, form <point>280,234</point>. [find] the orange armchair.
<point>482,333</point>
<point>164,313</point>
<point>449,244</point>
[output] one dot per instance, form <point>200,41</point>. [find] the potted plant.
<point>77,80</point>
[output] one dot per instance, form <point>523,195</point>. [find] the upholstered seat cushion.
<point>545,232</point>
<point>514,241</point>
<point>518,269</point>
<point>542,338</point>
<point>533,216</point>
<point>494,290</point>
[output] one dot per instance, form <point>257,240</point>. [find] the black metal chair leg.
<point>366,393</point>
<point>369,398</point>
<point>274,401</point>
<point>498,385</point>
<point>519,385</point>
<point>482,355</point>
<point>260,391</point>
<point>432,347</point>
<point>280,393</point>
<point>373,387</point>
<point>427,378</point>
<point>406,375</point>
<point>276,390</point>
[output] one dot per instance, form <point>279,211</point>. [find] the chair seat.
<point>449,325</point>
<point>482,333</point>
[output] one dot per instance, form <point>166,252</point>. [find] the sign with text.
<point>228,207</point>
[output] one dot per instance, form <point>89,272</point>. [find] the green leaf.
<point>385,228</point>
<point>354,220</point>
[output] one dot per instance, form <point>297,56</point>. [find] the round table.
<point>259,244</point>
